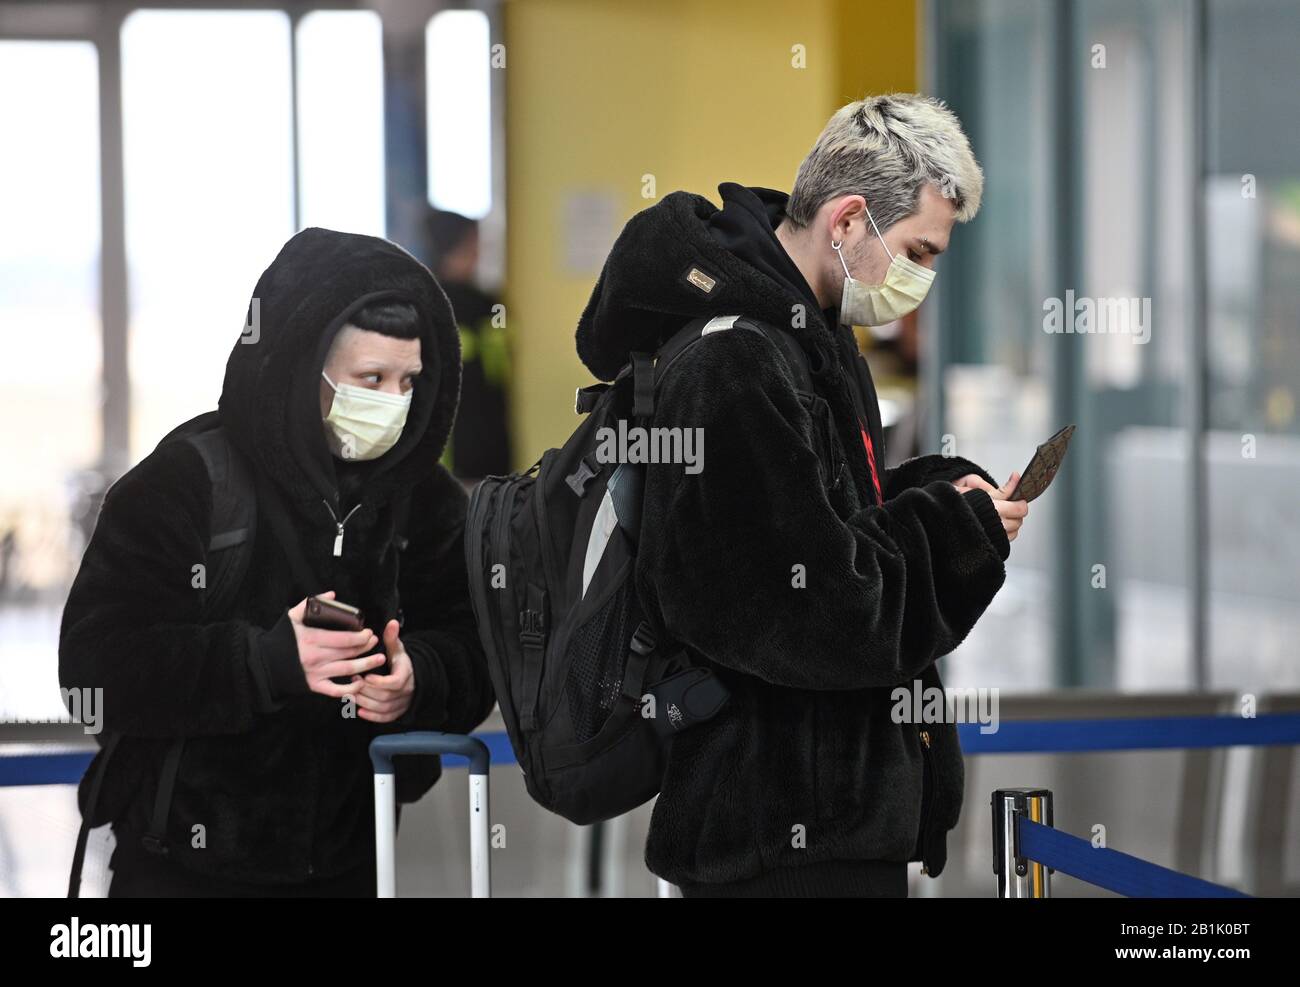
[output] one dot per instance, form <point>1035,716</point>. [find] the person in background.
<point>480,442</point>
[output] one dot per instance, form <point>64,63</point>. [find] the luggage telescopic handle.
<point>382,751</point>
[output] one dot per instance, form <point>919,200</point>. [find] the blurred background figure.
<point>480,442</point>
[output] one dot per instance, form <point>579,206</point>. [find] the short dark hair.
<point>399,319</point>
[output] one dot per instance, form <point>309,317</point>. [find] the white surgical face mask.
<point>904,288</point>
<point>364,424</point>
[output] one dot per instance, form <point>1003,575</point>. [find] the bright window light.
<point>341,121</point>
<point>209,196</point>
<point>49,297</point>
<point>457,50</point>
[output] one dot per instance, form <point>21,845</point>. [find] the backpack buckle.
<point>154,844</point>
<point>532,628</point>
<point>643,639</point>
<point>585,399</point>
<point>579,478</point>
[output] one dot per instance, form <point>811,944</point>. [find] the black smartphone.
<point>335,615</point>
<point>1042,468</point>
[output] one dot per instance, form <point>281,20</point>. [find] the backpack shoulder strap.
<point>111,740</point>
<point>795,357</point>
<point>234,518</point>
<point>230,549</point>
<point>649,375</point>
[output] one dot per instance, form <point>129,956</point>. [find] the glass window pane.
<point>1133,367</point>
<point>341,121</point>
<point>50,376</point>
<point>209,196</point>
<point>1253,269</point>
<point>1104,589</point>
<point>991,285</point>
<point>459,107</point>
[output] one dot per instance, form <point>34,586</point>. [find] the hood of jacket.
<point>684,258</point>
<point>270,403</point>
<point>672,263</point>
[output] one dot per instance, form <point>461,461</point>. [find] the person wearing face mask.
<point>236,738</point>
<point>810,579</point>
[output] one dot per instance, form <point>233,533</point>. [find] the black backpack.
<point>234,521</point>
<point>591,693</point>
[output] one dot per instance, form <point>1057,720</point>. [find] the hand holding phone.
<point>1012,499</point>
<point>333,645</point>
<point>1011,513</point>
<point>328,613</point>
<point>386,698</point>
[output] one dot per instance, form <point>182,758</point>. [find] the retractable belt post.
<point>382,751</point>
<point>1018,876</point>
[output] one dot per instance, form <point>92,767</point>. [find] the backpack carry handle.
<point>382,751</point>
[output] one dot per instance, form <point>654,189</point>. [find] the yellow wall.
<point>876,48</point>
<point>603,92</point>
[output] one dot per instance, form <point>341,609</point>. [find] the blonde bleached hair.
<point>885,148</point>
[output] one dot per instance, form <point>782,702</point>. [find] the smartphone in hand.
<point>335,615</point>
<point>1043,467</point>
<point>332,615</point>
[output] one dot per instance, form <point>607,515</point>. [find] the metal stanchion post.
<point>1018,877</point>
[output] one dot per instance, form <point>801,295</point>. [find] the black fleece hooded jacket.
<point>276,776</point>
<point>813,599</point>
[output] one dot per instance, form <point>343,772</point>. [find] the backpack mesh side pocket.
<point>597,660</point>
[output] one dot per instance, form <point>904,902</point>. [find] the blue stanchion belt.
<point>42,766</point>
<point>1130,734</point>
<point>1110,869</point>
<point>1100,866</point>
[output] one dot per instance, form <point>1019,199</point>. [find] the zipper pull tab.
<point>338,542</point>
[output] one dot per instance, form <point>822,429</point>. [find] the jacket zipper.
<point>929,809</point>
<point>338,537</point>
<point>338,552</point>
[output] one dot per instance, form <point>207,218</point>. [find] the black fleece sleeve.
<point>452,689</point>
<point>750,565</point>
<point>920,470</point>
<point>133,623</point>
<point>277,670</point>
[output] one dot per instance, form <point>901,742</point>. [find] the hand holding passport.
<point>1012,498</point>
